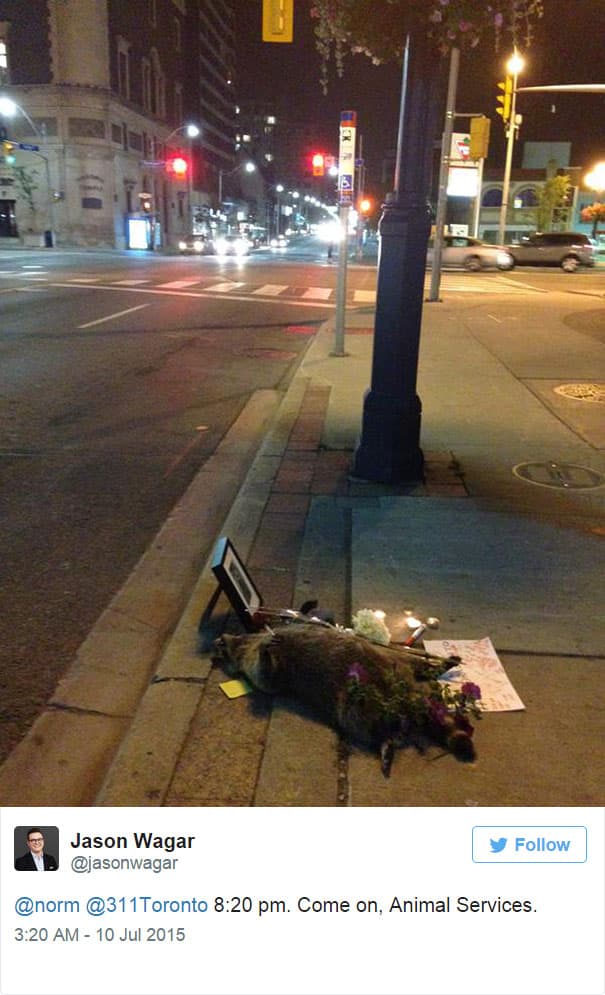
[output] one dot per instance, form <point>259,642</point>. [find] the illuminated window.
<point>526,197</point>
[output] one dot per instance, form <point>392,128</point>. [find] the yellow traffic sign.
<point>278,20</point>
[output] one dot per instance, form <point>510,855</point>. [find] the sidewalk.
<point>443,548</point>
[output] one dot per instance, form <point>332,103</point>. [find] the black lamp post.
<point>389,447</point>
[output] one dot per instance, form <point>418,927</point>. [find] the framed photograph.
<point>236,582</point>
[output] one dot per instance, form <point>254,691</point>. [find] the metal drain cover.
<point>566,476</point>
<point>582,391</point>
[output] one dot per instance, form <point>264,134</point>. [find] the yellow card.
<point>236,688</point>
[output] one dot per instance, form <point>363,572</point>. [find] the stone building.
<point>105,90</point>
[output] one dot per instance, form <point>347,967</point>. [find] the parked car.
<point>471,254</point>
<point>567,249</point>
<point>232,245</point>
<point>196,245</point>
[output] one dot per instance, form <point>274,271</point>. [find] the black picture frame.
<point>236,582</point>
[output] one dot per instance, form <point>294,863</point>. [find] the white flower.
<point>370,624</point>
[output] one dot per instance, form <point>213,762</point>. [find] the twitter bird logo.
<point>498,845</point>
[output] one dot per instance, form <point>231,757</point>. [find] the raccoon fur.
<point>312,664</point>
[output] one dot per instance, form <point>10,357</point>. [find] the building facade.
<point>104,91</point>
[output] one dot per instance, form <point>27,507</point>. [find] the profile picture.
<point>36,848</point>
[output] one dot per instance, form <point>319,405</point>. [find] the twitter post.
<point>308,902</point>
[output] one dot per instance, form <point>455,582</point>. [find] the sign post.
<point>346,189</point>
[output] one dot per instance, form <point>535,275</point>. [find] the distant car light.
<point>198,245</point>
<point>182,246</point>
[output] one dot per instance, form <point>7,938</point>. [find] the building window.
<point>158,86</point>
<point>178,103</point>
<point>492,198</point>
<point>3,61</point>
<point>124,68</point>
<point>146,77</point>
<point>526,197</point>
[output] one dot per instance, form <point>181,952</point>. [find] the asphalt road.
<point>121,374</point>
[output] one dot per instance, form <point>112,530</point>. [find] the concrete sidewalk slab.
<point>530,585</point>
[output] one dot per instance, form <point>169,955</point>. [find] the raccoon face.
<point>248,655</point>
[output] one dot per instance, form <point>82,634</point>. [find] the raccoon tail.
<point>387,752</point>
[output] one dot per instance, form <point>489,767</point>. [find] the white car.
<point>232,245</point>
<point>471,254</point>
<point>279,242</point>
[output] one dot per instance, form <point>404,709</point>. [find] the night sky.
<point>569,47</point>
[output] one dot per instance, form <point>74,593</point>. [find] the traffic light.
<point>318,162</point>
<point>479,143</point>
<point>504,98</point>
<point>8,150</point>
<point>178,167</point>
<point>146,202</point>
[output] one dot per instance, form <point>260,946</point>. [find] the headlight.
<point>182,246</point>
<point>221,246</point>
<point>504,259</point>
<point>198,246</point>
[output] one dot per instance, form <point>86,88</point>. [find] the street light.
<point>279,189</point>
<point>595,181</point>
<point>8,108</point>
<point>514,66</point>
<point>248,167</point>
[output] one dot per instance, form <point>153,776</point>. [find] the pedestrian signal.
<point>504,98</point>
<point>479,143</point>
<point>8,149</point>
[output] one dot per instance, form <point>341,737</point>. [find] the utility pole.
<point>444,171</point>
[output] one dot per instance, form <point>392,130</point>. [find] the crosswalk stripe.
<point>270,289</point>
<point>364,296</point>
<point>318,293</point>
<point>224,288</point>
<point>179,284</point>
<point>129,283</point>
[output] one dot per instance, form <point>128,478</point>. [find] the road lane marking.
<point>319,293</point>
<point>517,283</point>
<point>224,288</point>
<point>270,289</point>
<point>180,284</point>
<point>129,283</point>
<point>493,317</point>
<point>364,296</point>
<point>110,317</point>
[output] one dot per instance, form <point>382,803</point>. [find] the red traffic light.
<point>318,162</point>
<point>178,166</point>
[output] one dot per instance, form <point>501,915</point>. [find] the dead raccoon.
<point>354,685</point>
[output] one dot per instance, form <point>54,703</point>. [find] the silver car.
<point>567,249</point>
<point>471,254</point>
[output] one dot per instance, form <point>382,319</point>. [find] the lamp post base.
<point>389,451</point>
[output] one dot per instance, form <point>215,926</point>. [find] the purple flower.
<point>471,690</point>
<point>437,711</point>
<point>357,673</point>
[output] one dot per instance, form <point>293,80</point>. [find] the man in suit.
<point>36,859</point>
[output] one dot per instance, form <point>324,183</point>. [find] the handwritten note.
<point>480,664</point>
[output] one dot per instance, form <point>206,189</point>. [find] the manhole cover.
<point>582,391</point>
<point>563,475</point>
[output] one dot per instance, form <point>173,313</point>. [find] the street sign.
<point>346,157</point>
<point>27,147</point>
